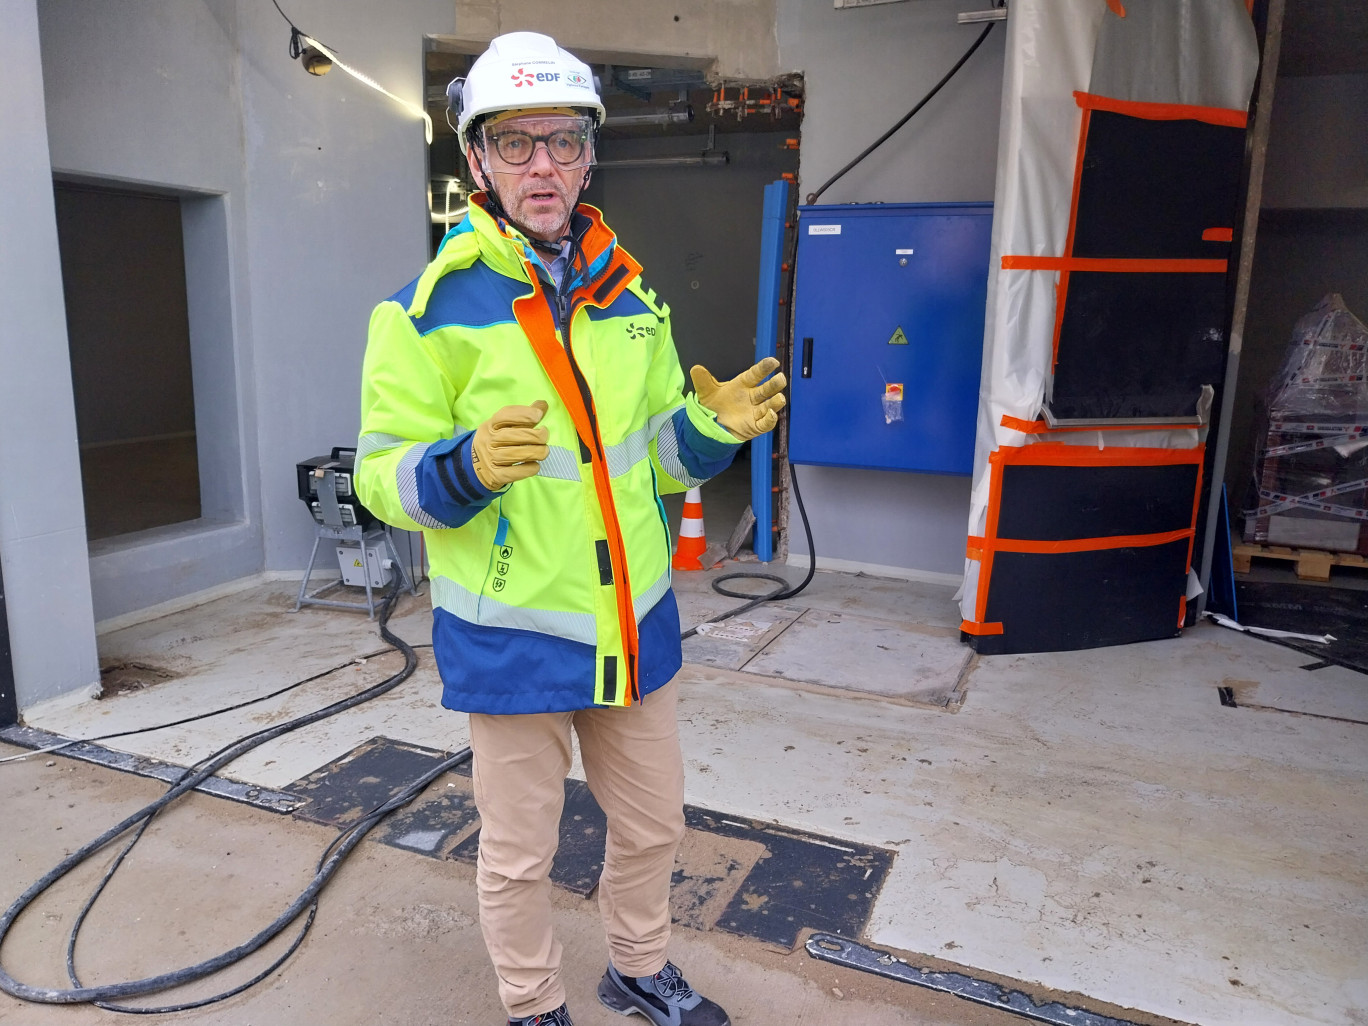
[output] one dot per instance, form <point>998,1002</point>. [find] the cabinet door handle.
<point>807,357</point>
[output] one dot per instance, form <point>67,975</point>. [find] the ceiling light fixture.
<point>317,59</point>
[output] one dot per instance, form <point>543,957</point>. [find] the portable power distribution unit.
<point>366,562</point>
<point>342,463</point>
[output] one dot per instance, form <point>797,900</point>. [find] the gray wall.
<point>696,231</point>
<point>734,38</point>
<point>42,530</point>
<point>1313,237</point>
<point>337,222</point>
<point>169,119</point>
<point>1318,143</point>
<point>864,69</point>
<point>302,205</point>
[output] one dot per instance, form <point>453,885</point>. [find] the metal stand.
<point>333,528</point>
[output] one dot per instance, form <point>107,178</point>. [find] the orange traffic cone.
<point>691,539</point>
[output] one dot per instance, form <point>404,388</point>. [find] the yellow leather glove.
<point>509,446</point>
<point>747,405</point>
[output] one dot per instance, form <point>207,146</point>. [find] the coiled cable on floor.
<point>68,742</point>
<point>780,593</point>
<point>332,858</point>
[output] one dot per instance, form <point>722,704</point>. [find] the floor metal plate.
<point>840,951</point>
<point>86,751</point>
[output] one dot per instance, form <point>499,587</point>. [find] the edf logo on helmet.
<point>522,69</point>
<point>523,77</point>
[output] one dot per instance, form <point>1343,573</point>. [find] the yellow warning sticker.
<point>898,339</point>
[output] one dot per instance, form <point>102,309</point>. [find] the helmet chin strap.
<point>499,210</point>
<point>578,261</point>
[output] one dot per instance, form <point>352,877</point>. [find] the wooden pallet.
<point>1312,564</point>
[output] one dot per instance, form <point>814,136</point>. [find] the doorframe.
<point>1253,196</point>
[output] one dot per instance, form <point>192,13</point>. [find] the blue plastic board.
<point>889,294</point>
<point>766,340</point>
<point>1221,590</point>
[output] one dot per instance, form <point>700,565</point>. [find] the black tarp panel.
<point>1041,503</point>
<point>1074,600</point>
<point>1150,189</point>
<point>1142,344</point>
<point>1139,345</point>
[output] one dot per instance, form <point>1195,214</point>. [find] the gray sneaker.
<point>666,998</point>
<point>555,1017</point>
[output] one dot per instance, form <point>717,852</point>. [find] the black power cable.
<point>204,715</point>
<point>193,775</point>
<point>780,593</point>
<point>813,196</point>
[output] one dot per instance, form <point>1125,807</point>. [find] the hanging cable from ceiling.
<point>318,59</point>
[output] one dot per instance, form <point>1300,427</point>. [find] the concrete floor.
<point>1092,823</point>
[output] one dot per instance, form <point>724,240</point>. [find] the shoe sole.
<point>615,1001</point>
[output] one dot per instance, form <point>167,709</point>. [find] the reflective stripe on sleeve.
<point>377,441</point>
<point>406,477</point>
<point>667,448</point>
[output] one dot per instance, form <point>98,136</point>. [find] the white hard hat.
<point>522,70</point>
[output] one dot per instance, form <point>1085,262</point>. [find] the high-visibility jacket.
<point>552,594</point>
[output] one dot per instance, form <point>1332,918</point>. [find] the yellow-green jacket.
<point>553,594</point>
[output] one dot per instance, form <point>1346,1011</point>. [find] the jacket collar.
<point>506,250</point>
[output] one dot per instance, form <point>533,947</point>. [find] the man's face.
<point>536,163</point>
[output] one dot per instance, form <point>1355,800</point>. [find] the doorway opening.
<point>1302,565</point>
<point>123,275</point>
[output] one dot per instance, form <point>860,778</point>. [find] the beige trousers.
<point>633,765</point>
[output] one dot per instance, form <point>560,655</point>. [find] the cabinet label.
<point>824,229</point>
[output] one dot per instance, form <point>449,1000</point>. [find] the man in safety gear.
<point>522,404</point>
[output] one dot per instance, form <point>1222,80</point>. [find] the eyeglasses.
<point>567,146</point>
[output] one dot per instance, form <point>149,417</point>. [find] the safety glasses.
<point>566,140</point>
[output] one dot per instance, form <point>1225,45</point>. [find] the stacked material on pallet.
<point>1311,465</point>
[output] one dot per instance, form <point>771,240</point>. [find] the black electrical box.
<point>342,463</point>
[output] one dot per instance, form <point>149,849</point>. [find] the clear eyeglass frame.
<point>568,147</point>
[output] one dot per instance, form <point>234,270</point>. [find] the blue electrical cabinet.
<point>888,335</point>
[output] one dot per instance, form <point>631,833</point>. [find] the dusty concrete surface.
<point>396,939</point>
<point>1094,822</point>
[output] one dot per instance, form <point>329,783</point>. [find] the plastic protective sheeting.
<point>1324,374</point>
<point>1190,61</point>
<point>1201,53</point>
<point>1311,466</point>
